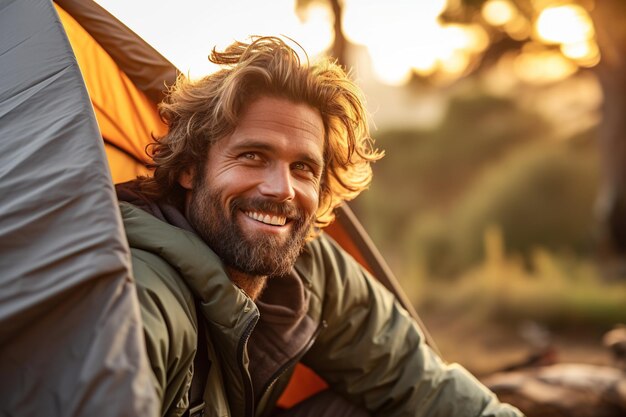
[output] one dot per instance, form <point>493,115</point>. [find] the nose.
<point>277,183</point>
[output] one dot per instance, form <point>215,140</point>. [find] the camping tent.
<point>75,78</point>
<point>70,331</point>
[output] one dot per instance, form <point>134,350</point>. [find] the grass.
<point>478,318</point>
<point>551,288</point>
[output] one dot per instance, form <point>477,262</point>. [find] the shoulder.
<point>323,253</point>
<point>157,277</point>
<point>162,290</point>
<point>331,271</point>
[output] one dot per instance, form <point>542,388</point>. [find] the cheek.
<point>234,182</point>
<point>310,198</point>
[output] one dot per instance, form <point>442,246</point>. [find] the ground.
<point>484,348</point>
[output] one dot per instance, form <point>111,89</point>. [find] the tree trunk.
<point>339,43</point>
<point>609,17</point>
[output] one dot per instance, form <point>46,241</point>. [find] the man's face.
<point>255,202</point>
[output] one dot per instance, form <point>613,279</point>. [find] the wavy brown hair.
<point>199,113</point>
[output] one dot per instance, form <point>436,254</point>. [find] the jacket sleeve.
<point>373,352</point>
<point>169,330</point>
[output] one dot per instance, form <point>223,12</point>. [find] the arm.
<point>375,354</point>
<point>169,330</point>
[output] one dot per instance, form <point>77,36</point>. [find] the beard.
<point>258,254</point>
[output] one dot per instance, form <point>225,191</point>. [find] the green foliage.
<point>436,192</point>
<point>491,214</point>
<point>557,290</point>
<point>540,197</point>
<point>431,169</point>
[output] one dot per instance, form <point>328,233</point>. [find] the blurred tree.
<point>608,17</point>
<point>441,205</point>
<point>610,36</point>
<point>338,49</point>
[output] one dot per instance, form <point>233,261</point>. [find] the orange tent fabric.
<point>126,117</point>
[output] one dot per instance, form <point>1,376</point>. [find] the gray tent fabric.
<point>70,329</point>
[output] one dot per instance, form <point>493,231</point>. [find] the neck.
<point>252,285</point>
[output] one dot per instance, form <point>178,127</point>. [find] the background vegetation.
<point>488,221</point>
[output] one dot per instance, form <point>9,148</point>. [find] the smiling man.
<point>236,279</point>
<point>255,200</point>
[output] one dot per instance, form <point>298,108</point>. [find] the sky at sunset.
<point>400,36</point>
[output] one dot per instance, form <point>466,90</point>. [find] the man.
<point>256,158</point>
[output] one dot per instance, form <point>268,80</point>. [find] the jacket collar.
<point>201,268</point>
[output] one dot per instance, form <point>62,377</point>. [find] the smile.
<point>267,218</point>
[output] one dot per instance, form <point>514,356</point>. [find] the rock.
<point>572,390</point>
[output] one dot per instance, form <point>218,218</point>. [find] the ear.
<point>186,179</point>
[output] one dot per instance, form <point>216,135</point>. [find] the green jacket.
<point>363,343</point>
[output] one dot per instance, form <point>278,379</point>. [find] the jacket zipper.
<point>291,362</point>
<point>245,376</point>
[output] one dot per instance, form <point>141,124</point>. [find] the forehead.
<point>273,113</point>
<point>280,126</point>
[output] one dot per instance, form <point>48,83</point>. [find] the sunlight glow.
<point>498,12</point>
<point>456,63</point>
<point>572,28</point>
<point>541,67</point>
<point>518,28</point>
<point>586,54</point>
<point>392,72</point>
<point>564,25</point>
<point>471,38</point>
<point>316,31</point>
<point>186,33</point>
<point>404,37</point>
<point>398,35</point>
<point>576,50</point>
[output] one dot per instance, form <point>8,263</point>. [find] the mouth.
<point>267,218</point>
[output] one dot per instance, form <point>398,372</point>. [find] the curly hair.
<point>199,113</point>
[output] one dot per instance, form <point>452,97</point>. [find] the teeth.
<point>267,219</point>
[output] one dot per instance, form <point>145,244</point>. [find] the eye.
<point>305,170</point>
<point>301,166</point>
<point>250,157</point>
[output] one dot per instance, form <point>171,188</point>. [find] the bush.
<point>556,290</point>
<point>542,196</point>
<point>431,170</point>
